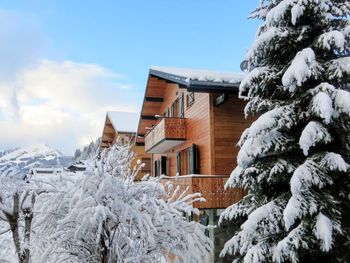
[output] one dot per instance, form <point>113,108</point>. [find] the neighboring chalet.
<point>76,167</point>
<point>190,123</point>
<point>123,125</point>
<point>119,124</point>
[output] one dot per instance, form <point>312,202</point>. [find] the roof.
<point>198,79</point>
<point>124,121</point>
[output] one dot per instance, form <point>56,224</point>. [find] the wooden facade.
<point>199,144</point>
<point>111,133</point>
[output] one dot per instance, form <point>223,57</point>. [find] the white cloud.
<point>61,103</point>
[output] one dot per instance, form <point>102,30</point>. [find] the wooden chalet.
<point>123,125</point>
<point>190,123</point>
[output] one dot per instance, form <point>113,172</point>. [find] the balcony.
<point>210,186</point>
<point>168,133</point>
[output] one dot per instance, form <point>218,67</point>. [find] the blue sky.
<point>121,39</point>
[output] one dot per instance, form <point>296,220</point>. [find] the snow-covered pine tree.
<point>294,159</point>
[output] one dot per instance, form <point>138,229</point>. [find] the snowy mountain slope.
<point>4,152</point>
<point>25,159</point>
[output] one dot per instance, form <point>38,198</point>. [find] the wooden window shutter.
<point>178,163</point>
<point>194,162</point>
<point>163,165</point>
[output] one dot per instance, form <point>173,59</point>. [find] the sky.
<point>64,64</point>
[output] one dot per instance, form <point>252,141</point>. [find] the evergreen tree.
<point>294,159</point>
<point>77,154</point>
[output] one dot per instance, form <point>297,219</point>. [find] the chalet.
<point>119,124</point>
<point>76,167</point>
<point>190,123</point>
<point>123,125</point>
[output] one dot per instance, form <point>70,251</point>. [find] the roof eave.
<point>170,77</point>
<point>205,86</point>
<point>196,85</point>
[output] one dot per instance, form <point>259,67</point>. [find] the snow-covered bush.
<point>294,159</point>
<point>17,199</point>
<point>108,217</point>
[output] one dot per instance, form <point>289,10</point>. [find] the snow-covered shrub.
<point>17,199</point>
<point>108,217</point>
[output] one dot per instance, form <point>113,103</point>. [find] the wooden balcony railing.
<point>168,133</point>
<point>210,186</point>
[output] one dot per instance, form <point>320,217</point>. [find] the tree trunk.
<point>28,218</point>
<point>104,245</point>
<point>13,221</point>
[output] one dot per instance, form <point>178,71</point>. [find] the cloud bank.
<point>61,103</point>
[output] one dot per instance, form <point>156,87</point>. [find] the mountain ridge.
<point>26,158</point>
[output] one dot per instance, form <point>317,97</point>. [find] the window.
<point>160,166</point>
<point>188,161</point>
<point>181,107</point>
<point>190,99</point>
<point>176,109</point>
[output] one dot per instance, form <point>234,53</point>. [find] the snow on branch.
<point>338,68</point>
<point>303,67</point>
<point>342,101</point>
<point>332,39</point>
<point>313,133</point>
<point>322,106</point>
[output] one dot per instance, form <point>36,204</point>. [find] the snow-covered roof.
<point>124,121</point>
<point>198,77</point>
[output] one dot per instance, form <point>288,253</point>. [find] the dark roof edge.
<point>170,77</point>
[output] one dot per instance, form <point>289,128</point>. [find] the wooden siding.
<point>155,89</point>
<point>229,123</point>
<point>197,119</point>
<point>139,154</point>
